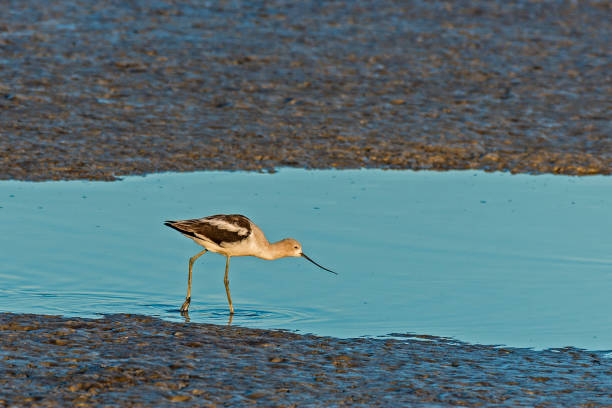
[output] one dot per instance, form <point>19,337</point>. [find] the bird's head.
<point>294,248</point>
<point>291,247</point>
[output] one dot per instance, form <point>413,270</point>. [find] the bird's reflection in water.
<point>185,315</point>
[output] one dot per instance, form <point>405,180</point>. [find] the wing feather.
<point>219,228</point>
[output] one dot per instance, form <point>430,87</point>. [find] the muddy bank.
<point>96,90</point>
<point>132,360</point>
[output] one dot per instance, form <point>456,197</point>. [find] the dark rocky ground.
<point>129,360</point>
<point>95,90</point>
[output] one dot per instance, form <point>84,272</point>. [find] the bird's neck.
<point>273,251</point>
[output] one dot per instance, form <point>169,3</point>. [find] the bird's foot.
<point>185,306</point>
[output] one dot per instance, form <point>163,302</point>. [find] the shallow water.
<point>486,258</point>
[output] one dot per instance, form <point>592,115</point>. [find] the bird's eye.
<point>295,247</point>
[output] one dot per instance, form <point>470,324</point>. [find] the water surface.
<point>482,257</point>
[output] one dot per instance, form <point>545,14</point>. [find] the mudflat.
<point>96,90</point>
<point>130,360</point>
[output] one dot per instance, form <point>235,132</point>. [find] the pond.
<point>489,258</point>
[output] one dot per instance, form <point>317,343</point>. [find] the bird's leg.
<point>188,298</point>
<point>185,315</point>
<point>226,280</point>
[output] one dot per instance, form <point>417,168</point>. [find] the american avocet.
<point>233,235</point>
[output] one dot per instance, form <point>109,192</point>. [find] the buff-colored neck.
<point>280,249</point>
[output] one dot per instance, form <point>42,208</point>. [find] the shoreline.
<point>568,164</point>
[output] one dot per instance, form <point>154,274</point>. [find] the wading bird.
<point>233,235</point>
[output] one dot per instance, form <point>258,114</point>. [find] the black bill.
<point>322,267</point>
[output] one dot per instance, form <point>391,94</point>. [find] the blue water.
<point>487,258</point>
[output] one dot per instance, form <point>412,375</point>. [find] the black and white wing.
<point>220,229</point>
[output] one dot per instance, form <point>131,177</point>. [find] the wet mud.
<point>96,90</point>
<point>131,360</point>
